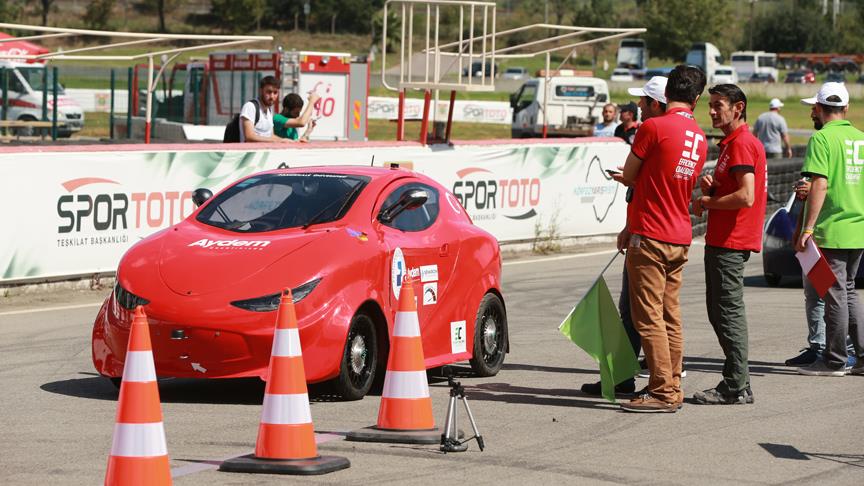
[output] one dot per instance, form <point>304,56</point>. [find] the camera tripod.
<point>450,438</point>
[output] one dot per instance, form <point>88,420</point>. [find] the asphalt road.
<point>57,416</point>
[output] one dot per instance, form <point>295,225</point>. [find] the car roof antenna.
<point>373,161</point>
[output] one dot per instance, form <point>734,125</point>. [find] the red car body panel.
<point>191,272</point>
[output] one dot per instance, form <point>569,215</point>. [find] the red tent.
<point>19,48</point>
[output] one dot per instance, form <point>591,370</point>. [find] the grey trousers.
<point>843,312</point>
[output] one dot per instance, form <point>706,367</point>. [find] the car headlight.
<point>270,302</point>
<point>126,299</point>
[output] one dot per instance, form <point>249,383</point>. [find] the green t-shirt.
<point>836,152</point>
<point>281,130</point>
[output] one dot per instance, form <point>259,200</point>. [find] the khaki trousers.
<point>655,269</point>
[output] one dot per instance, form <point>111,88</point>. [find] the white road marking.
<point>50,309</point>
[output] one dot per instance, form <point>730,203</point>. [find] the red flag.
<point>816,267</point>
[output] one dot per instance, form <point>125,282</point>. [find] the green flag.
<point>595,326</point>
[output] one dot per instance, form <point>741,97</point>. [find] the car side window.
<point>414,219</point>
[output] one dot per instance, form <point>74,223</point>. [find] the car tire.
<point>490,336</point>
<point>24,131</point>
<point>359,364</point>
<point>772,279</point>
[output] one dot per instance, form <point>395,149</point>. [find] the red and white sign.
<point>816,267</point>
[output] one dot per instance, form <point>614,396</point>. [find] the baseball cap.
<point>775,103</point>
<point>826,91</point>
<point>631,107</point>
<point>655,89</point>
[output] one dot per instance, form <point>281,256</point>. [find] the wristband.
<point>807,231</point>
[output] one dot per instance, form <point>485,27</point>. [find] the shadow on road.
<point>556,397</point>
<point>715,365</point>
<point>546,369</point>
<point>785,283</point>
<point>786,451</point>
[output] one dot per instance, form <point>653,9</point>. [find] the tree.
<point>674,25</point>
<point>238,16</point>
<point>161,8</point>
<point>802,29</point>
<point>98,14</point>
<point>46,6</point>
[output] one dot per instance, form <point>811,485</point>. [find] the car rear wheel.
<point>490,337</point>
<point>772,279</point>
<point>359,359</point>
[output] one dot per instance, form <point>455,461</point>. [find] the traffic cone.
<point>139,455</point>
<point>286,437</point>
<point>405,414</point>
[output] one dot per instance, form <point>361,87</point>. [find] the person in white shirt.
<point>607,128</point>
<point>262,131</point>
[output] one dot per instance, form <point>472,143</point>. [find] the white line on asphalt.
<point>207,465</point>
<point>49,309</point>
<point>564,257</point>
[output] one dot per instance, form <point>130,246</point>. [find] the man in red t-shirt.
<point>664,163</point>
<point>735,198</point>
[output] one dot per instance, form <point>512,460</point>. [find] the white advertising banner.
<point>498,112</point>
<point>73,213</point>
<point>330,112</point>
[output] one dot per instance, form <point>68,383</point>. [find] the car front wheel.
<point>359,359</point>
<point>490,337</point>
<point>772,279</point>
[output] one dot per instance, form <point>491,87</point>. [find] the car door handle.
<point>444,250</point>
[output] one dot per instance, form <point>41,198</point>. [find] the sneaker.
<point>624,388</point>
<point>714,397</point>
<point>858,369</point>
<point>748,395</point>
<point>644,373</point>
<point>807,357</point>
<point>819,368</point>
<point>647,404</point>
<point>851,361</point>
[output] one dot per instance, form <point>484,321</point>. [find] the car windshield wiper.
<point>345,200</point>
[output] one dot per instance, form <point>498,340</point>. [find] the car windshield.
<point>724,72</point>
<point>33,75</point>
<point>276,201</point>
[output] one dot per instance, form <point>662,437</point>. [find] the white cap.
<point>827,90</point>
<point>775,103</point>
<point>655,88</point>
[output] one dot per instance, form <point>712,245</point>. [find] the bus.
<point>633,56</point>
<point>748,63</point>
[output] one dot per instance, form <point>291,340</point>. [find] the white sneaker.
<point>819,368</point>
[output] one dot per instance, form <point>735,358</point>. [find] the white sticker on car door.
<point>458,342</point>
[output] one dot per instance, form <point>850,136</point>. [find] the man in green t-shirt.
<point>286,123</point>
<point>834,219</point>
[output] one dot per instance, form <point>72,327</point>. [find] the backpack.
<point>232,129</point>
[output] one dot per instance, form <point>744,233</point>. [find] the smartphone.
<point>612,172</point>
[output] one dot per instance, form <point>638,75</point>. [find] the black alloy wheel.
<point>490,336</point>
<point>359,359</point>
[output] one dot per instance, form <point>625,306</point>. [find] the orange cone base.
<point>298,467</point>
<point>375,434</point>
<point>143,471</point>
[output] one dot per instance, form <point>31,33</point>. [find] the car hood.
<point>196,259</point>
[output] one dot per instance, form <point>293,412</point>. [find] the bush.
<point>98,13</point>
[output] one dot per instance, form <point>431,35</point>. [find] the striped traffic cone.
<point>405,415</point>
<point>139,455</point>
<point>286,437</point>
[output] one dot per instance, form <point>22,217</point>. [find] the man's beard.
<point>817,124</point>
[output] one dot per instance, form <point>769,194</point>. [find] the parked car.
<point>725,75</point>
<point>778,254</point>
<point>800,77</point>
<point>515,72</point>
<point>835,77</point>
<point>662,71</point>
<point>621,74</point>
<point>477,69</point>
<point>343,239</point>
<point>761,78</point>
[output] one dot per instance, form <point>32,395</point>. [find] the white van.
<point>725,75</point>
<point>575,106</point>
<point>25,99</point>
<point>706,57</point>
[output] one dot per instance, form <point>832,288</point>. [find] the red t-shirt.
<point>739,229</point>
<point>673,151</point>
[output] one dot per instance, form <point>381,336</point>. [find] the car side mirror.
<point>513,100</point>
<point>601,98</point>
<point>201,195</point>
<point>409,200</point>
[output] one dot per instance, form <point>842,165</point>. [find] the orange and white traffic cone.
<point>286,437</point>
<point>139,455</point>
<point>405,415</point>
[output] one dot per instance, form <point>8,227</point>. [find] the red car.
<point>342,238</point>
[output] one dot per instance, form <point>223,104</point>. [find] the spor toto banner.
<point>73,213</point>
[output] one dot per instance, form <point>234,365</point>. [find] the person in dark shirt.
<point>626,130</point>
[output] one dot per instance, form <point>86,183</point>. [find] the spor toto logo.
<point>105,210</point>
<point>479,192</point>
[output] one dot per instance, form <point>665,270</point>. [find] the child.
<point>286,123</point>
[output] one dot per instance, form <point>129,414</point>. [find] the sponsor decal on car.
<point>230,244</point>
<point>397,271</point>
<point>458,341</point>
<point>429,273</point>
<point>430,293</point>
<point>357,234</point>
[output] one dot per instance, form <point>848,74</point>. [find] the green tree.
<point>238,16</point>
<point>674,25</point>
<point>803,28</point>
<point>98,14</point>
